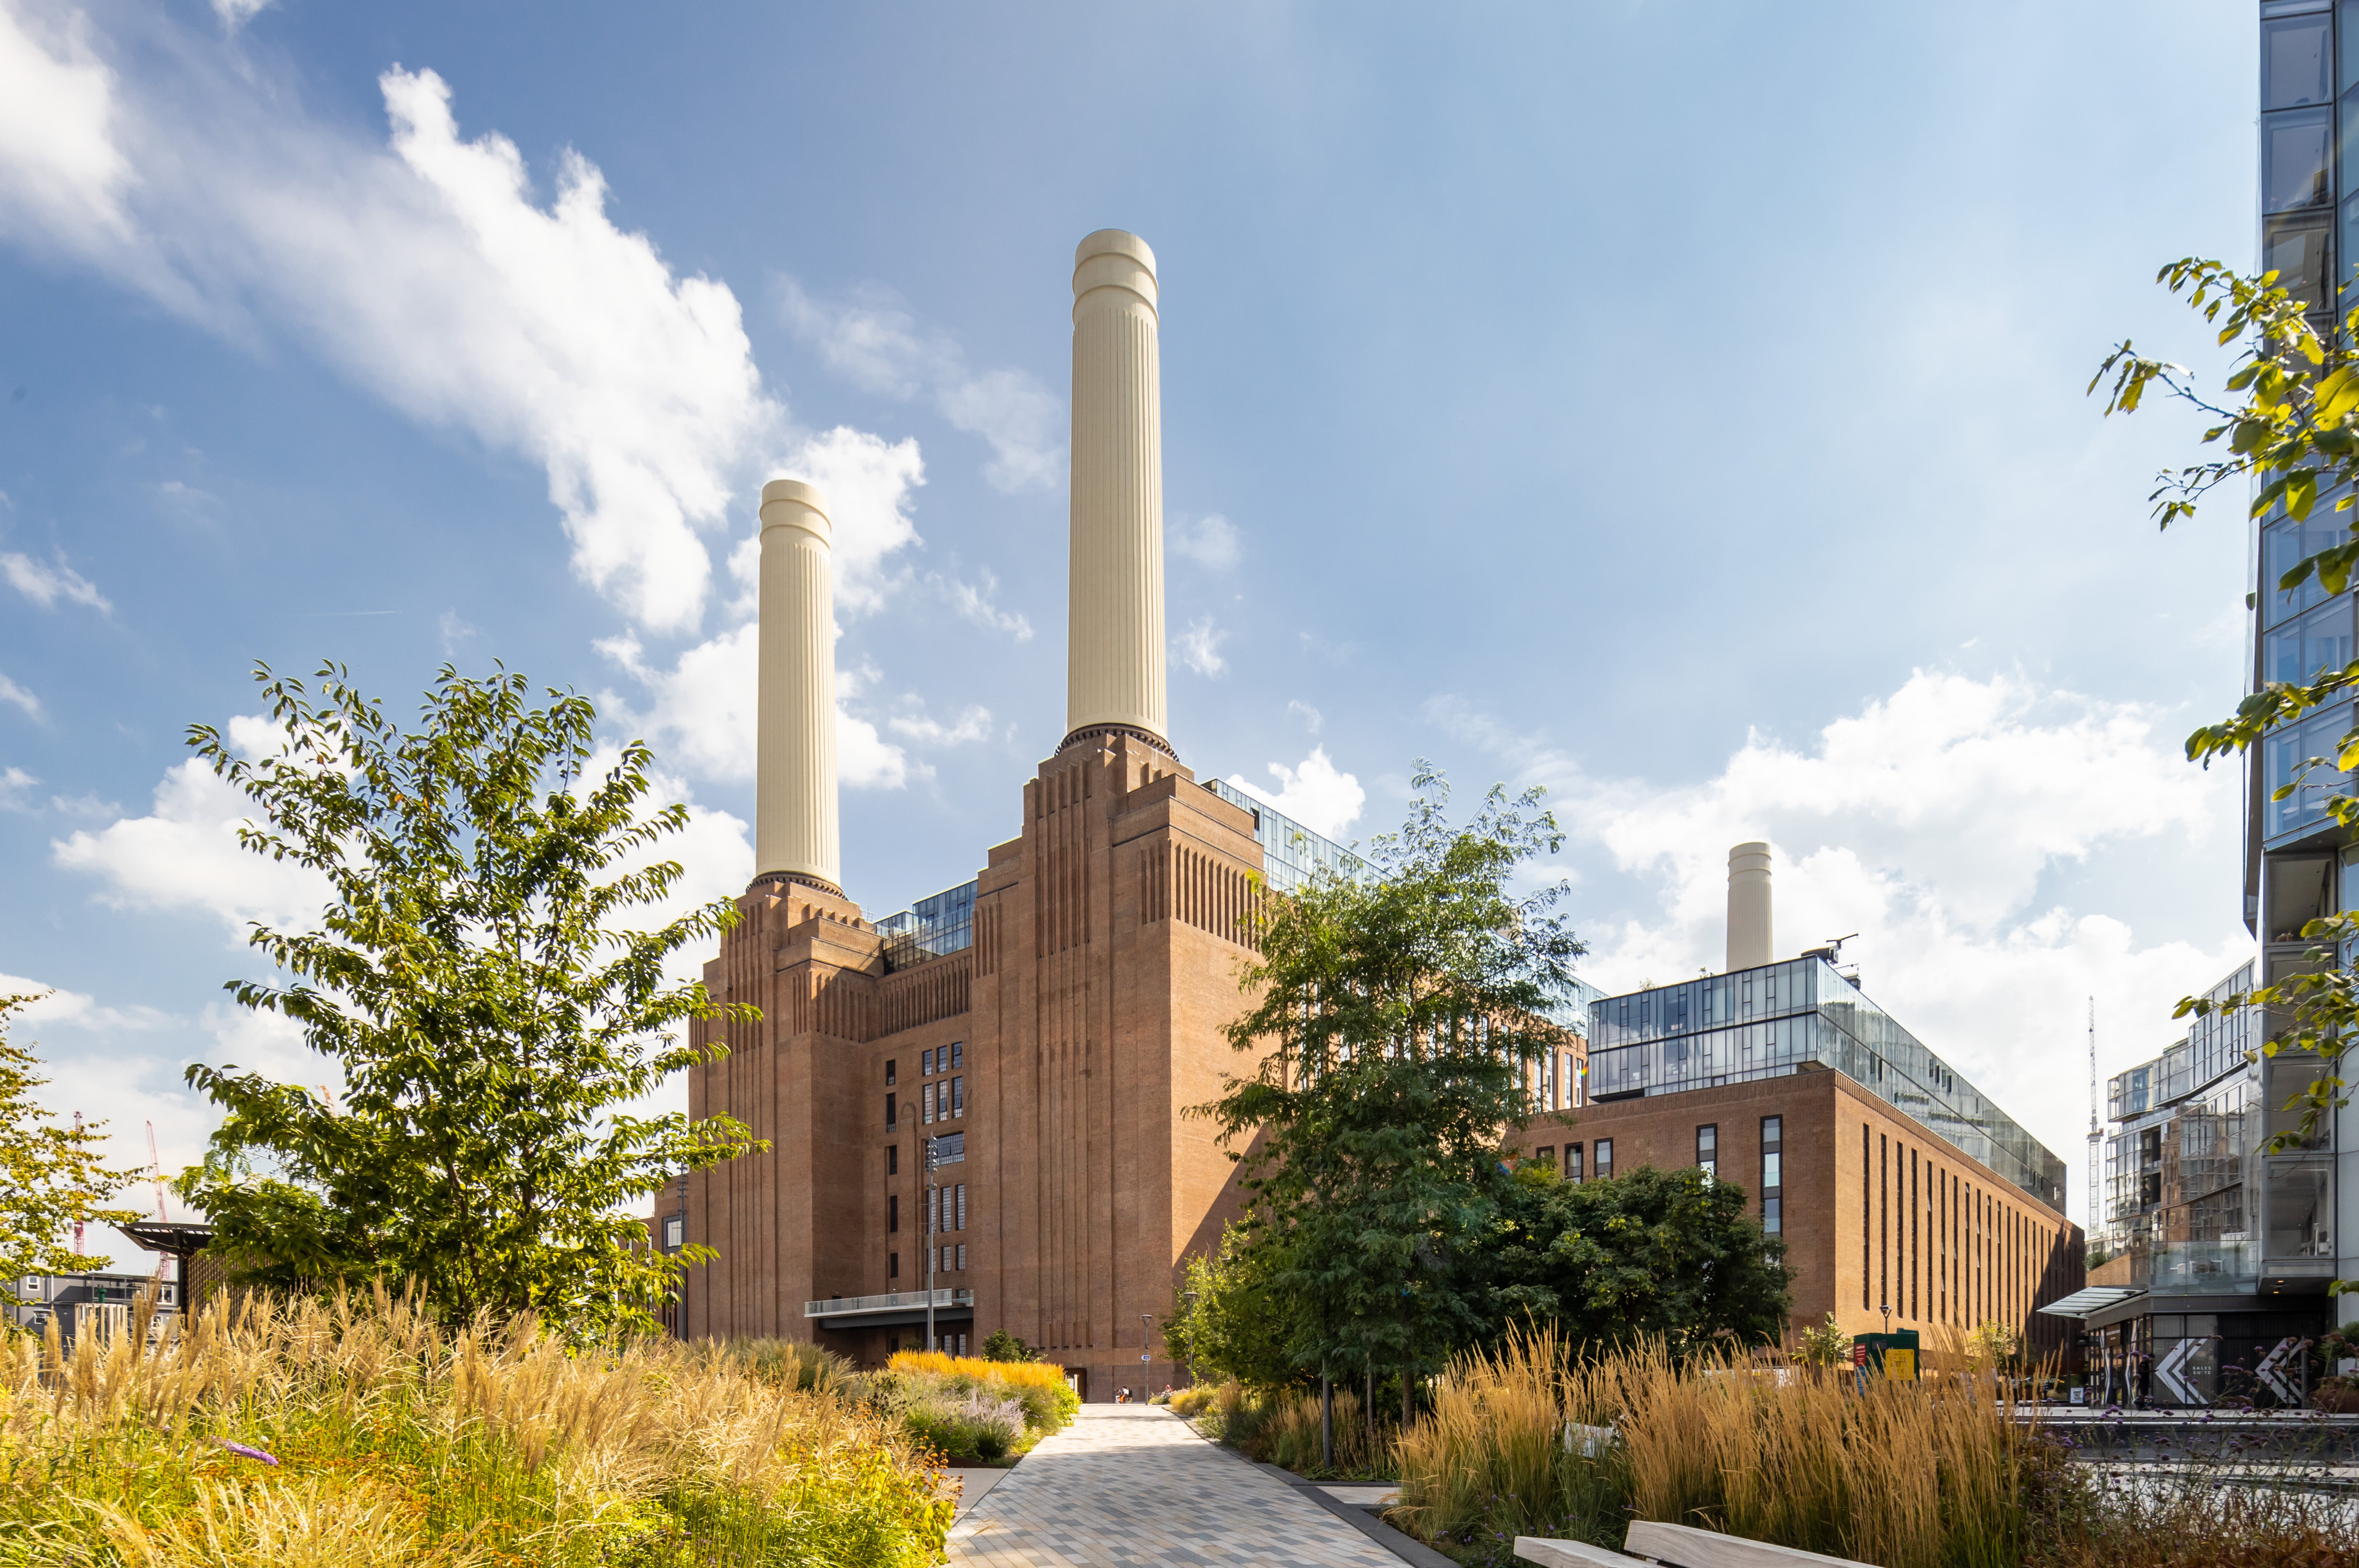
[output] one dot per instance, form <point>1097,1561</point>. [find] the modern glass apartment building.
<point>1768,1023</point>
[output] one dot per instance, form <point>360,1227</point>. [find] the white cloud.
<point>868,484</point>
<point>63,180</point>
<point>15,786</point>
<point>975,603</point>
<point>1200,647</point>
<point>45,584</point>
<point>1211,541</point>
<point>184,855</point>
<point>235,14</point>
<point>1318,794</point>
<point>11,692</point>
<point>878,345</point>
<point>424,267</point>
<point>1312,717</point>
<point>453,633</point>
<point>1930,823</point>
<point>973,724</point>
<point>79,1010</point>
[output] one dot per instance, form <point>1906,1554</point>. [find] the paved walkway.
<point>1132,1484</point>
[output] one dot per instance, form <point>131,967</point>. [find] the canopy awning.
<point>2094,1299</point>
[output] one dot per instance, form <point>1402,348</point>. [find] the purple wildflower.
<point>242,1451</point>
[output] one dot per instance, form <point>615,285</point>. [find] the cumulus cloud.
<point>80,1009</point>
<point>1200,647</point>
<point>1930,822</point>
<point>1320,795</point>
<point>15,789</point>
<point>45,584</point>
<point>424,266</point>
<point>872,341</point>
<point>1312,717</point>
<point>235,14</point>
<point>973,724</point>
<point>1210,541</point>
<point>11,692</point>
<point>973,602</point>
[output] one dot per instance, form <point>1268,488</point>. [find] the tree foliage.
<point>1228,1321</point>
<point>1393,1019</point>
<point>2287,425</point>
<point>474,981</point>
<point>1673,1256</point>
<point>51,1175</point>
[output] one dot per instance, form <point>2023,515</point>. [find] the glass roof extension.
<point>1765,1022</point>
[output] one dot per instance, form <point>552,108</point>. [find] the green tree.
<point>1669,1254</point>
<point>1393,1019</point>
<point>1229,1320</point>
<point>2287,424</point>
<point>51,1175</point>
<point>1002,1346</point>
<point>474,980</point>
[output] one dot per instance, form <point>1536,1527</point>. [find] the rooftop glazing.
<point>1766,1022</point>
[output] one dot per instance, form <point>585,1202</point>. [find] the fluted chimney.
<point>1748,906</point>
<point>1114,654</point>
<point>795,835</point>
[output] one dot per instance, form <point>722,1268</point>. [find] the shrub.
<point>1191,1402</point>
<point>788,1363</point>
<point>1047,1400</point>
<point>975,1426</point>
<point>392,1440</point>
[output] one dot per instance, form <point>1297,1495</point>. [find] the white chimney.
<point>1113,650</point>
<point>1748,906</point>
<point>795,833</point>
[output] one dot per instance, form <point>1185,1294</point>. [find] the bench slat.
<point>1683,1546</point>
<point>1570,1554</point>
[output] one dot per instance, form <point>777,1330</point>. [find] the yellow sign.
<point>1899,1363</point>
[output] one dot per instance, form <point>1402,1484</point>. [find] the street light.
<point>1147,1349</point>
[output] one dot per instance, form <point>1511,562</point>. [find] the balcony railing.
<point>898,1301</point>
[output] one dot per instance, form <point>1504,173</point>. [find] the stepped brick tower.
<point>1042,1029</point>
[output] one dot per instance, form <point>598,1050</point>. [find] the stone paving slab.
<point>1126,1485</point>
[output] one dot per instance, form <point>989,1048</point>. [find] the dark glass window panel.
<point>1572,1162</point>
<point>2294,247</point>
<point>2293,160</point>
<point>2294,62</point>
<point>1772,1170</point>
<point>2286,545</point>
<point>2317,737</point>
<point>1773,1217</point>
<point>1773,1132</point>
<point>2301,647</point>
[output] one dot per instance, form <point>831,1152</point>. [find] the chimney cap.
<point>1750,850</point>
<point>1114,242</point>
<point>798,504</point>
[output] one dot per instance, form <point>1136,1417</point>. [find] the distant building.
<point>82,1303</point>
<point>1893,1180</point>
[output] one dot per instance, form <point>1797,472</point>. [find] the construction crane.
<point>156,1166</point>
<point>2097,1138</point>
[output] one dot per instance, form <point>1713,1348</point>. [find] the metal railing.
<point>898,1301</point>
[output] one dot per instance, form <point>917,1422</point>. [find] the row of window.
<point>948,1343</point>
<point>1707,1146</point>
<point>947,1261</point>
<point>945,1208</point>
<point>2300,88</point>
<point>943,1100</point>
<point>940,1059</point>
<point>1937,1247</point>
<point>1604,1148</point>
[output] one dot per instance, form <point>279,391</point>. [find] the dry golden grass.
<point>1927,1475</point>
<point>400,1444</point>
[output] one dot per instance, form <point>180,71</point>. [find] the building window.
<point>892,1159</point>
<point>892,1265</point>
<point>892,1072</point>
<point>958,1097</point>
<point>1545,1153</point>
<point>1773,1175</point>
<point>950,1148</point>
<point>675,1232</point>
<point>2294,62</point>
<point>962,1337</point>
<point>926,1063</point>
<point>891,1115</point>
<point>1866,1214</point>
<point>958,1055</point>
<point>933,1210</point>
<point>962,1261</point>
<point>929,1103</point>
<point>1605,1158</point>
<point>893,1214</point>
<point>2317,640</point>
<point>961,1210</point>
<point>1708,1150</point>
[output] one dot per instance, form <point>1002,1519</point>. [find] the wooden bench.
<point>1673,1546</point>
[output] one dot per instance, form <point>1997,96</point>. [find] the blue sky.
<point>1677,405</point>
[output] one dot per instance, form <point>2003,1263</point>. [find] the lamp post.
<point>1146,1352</point>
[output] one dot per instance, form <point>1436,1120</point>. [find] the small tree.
<point>1231,1319</point>
<point>1651,1254</point>
<point>1395,1019</point>
<point>492,1019</point>
<point>51,1175</point>
<point>1825,1345</point>
<point>1002,1345</point>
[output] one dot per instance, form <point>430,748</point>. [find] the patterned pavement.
<point>1132,1484</point>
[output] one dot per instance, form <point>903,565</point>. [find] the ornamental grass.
<point>358,1433</point>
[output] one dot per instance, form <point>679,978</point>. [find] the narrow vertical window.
<point>958,1097</point>
<point>893,1214</point>
<point>893,1266</point>
<point>933,1210</point>
<point>892,1159</point>
<point>928,1103</point>
<point>1708,1150</point>
<point>1773,1175</point>
<point>1605,1158</point>
<point>1866,1214</point>
<point>962,1269</point>
<point>958,1055</point>
<point>892,1072</point>
<point>1545,1154</point>
<point>1572,1163</point>
<point>1883,1219</point>
<point>890,1115</point>
<point>1912,1234</point>
<point>926,1064</point>
<point>961,1207</point>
